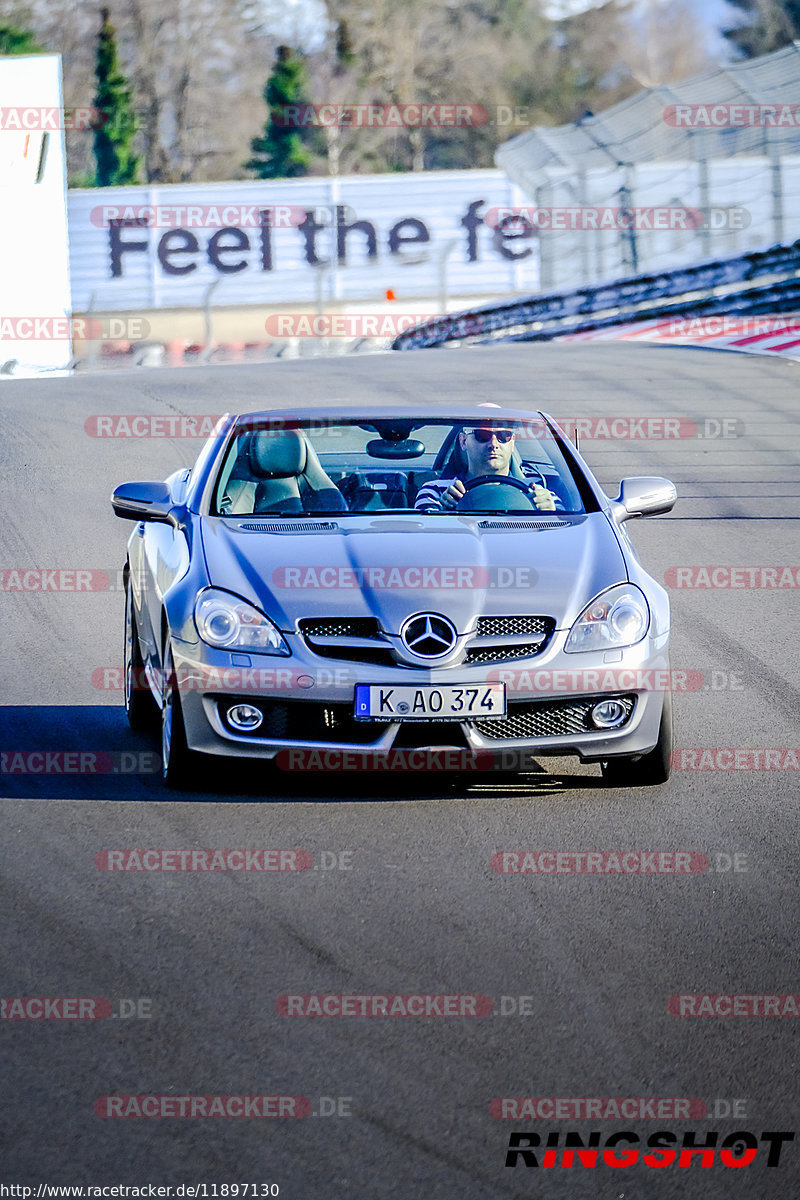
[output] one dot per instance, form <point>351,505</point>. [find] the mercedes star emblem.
<point>429,635</point>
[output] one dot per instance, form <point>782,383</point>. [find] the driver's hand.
<point>451,497</point>
<point>544,500</point>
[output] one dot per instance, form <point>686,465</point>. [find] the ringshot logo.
<point>626,1148</point>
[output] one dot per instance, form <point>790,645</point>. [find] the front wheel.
<point>648,770</point>
<point>140,706</point>
<point>179,764</point>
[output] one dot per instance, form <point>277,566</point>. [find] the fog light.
<point>245,717</point>
<point>608,714</point>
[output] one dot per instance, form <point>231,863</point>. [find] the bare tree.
<point>196,68</point>
<point>667,43</point>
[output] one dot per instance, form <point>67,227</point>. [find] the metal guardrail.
<point>693,290</point>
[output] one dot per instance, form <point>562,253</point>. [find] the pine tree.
<point>17,41</point>
<point>113,139</point>
<point>281,152</point>
<point>767,25</point>
<point>345,54</point>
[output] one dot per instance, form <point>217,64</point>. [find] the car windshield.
<point>286,467</point>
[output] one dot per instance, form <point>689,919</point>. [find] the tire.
<point>179,764</point>
<point>140,707</point>
<point>646,770</point>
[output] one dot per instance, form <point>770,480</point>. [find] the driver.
<point>486,450</point>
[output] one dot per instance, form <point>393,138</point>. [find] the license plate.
<point>452,702</point>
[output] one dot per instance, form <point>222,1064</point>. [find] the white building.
<point>35,303</point>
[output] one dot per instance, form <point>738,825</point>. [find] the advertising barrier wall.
<point>297,241</point>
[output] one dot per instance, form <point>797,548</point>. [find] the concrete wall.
<point>169,249</point>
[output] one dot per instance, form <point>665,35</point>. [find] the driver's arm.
<point>451,497</point>
<point>437,495</point>
<point>543,498</point>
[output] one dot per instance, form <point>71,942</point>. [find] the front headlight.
<point>230,623</point>
<point>620,617</point>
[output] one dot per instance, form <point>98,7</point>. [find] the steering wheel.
<point>479,480</point>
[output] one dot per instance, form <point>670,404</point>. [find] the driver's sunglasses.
<point>486,435</point>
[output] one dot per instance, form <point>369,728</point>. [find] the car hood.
<point>392,567</point>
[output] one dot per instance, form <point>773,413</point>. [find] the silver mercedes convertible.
<point>343,589</point>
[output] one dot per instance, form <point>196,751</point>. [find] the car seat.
<point>289,475</point>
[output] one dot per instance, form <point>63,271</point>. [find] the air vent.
<point>502,653</point>
<point>514,626</point>
<point>522,524</point>
<point>343,627</point>
<point>289,526</point>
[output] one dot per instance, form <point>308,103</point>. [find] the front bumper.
<point>308,702</point>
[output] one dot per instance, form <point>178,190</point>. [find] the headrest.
<point>456,461</point>
<point>277,454</point>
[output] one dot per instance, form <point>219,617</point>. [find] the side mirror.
<point>145,502</point>
<point>643,496</point>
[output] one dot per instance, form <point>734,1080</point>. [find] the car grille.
<point>489,654</point>
<point>552,718</point>
<point>354,639</point>
<point>513,626</point>
<point>507,634</point>
<point>340,627</point>
<point>359,639</point>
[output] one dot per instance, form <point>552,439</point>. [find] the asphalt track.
<point>420,909</point>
